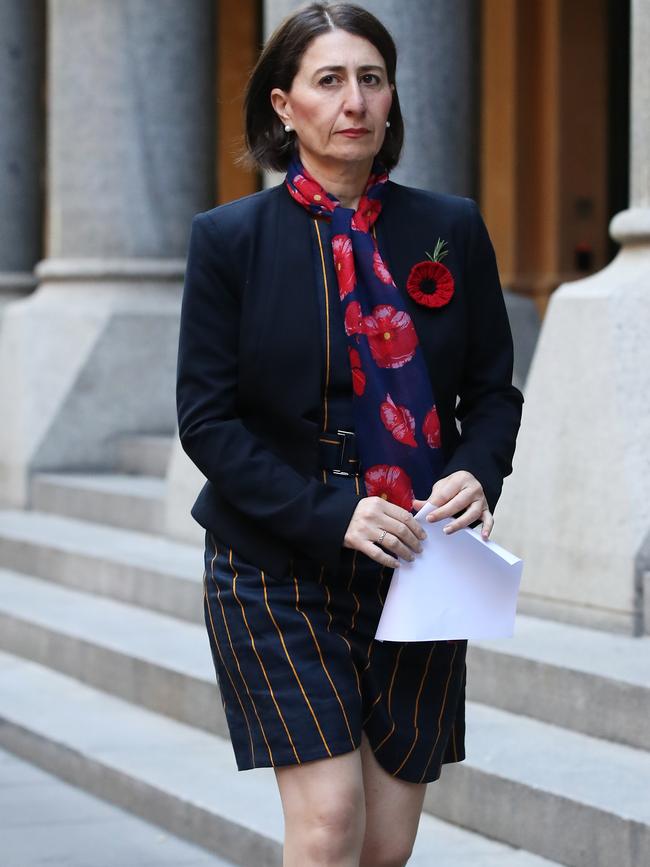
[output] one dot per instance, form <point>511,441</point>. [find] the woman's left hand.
<point>460,490</point>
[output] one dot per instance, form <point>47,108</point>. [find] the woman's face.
<point>339,100</point>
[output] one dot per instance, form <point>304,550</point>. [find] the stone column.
<point>577,507</point>
<point>437,79</point>
<point>21,144</point>
<point>92,352</point>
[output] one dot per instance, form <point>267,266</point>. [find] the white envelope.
<point>458,587</point>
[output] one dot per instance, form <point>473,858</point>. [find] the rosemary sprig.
<point>439,251</point>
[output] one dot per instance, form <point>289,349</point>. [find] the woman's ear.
<point>280,103</point>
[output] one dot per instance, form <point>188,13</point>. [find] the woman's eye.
<point>327,79</point>
<point>371,78</point>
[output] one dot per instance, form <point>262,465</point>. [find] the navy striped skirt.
<point>301,675</point>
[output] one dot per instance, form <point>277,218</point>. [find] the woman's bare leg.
<point>324,811</point>
<point>393,809</point>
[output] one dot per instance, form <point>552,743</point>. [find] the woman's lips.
<point>354,133</point>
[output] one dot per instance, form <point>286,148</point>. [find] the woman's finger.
<point>408,532</point>
<point>468,517</point>
<point>394,544</point>
<point>373,551</point>
<point>488,523</point>
<point>462,500</point>
<point>400,514</point>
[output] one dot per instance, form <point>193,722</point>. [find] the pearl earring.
<point>287,128</point>
<point>387,123</point>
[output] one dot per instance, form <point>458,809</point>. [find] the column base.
<point>90,355</point>
<point>15,285</point>
<point>576,507</point>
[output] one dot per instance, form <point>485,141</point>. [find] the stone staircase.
<point>106,680</point>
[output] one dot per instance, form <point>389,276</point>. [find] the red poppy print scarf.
<point>394,410</point>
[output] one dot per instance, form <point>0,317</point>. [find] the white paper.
<point>459,586</point>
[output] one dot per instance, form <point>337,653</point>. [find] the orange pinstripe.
<point>371,643</point>
<point>415,715</point>
<point>266,678</point>
<point>293,668</point>
<point>357,608</point>
<point>329,624</point>
<point>370,648</point>
<point>327,324</point>
<point>214,635</point>
<point>354,668</point>
<point>390,697</point>
<point>379,585</point>
<point>322,661</point>
<point>226,669</point>
<point>442,709</point>
<point>357,604</point>
<point>327,610</point>
<point>374,704</point>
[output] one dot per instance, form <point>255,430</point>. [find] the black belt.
<point>338,452</point>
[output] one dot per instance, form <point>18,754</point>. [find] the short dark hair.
<point>267,144</point>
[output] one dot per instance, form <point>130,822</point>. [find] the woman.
<point>321,354</point>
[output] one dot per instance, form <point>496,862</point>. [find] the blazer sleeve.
<point>299,509</point>
<point>489,407</point>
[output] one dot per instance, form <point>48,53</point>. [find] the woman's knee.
<point>333,828</point>
<point>324,807</point>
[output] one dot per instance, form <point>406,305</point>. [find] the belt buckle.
<point>344,445</point>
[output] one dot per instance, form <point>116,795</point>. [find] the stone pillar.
<point>21,144</point>
<point>577,507</point>
<point>437,79</point>
<point>92,352</point>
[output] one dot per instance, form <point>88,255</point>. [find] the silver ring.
<point>381,538</point>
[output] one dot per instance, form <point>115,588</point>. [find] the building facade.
<point>123,119</point>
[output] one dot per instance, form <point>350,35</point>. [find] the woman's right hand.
<point>373,515</point>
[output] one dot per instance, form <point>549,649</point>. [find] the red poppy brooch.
<point>430,283</point>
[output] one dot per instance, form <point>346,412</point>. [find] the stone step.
<point>144,454</point>
<point>46,821</point>
<point>566,796</point>
<point>138,568</point>
<point>180,778</point>
<point>562,782</point>
<point>153,660</point>
<point>130,502</point>
<point>579,678</point>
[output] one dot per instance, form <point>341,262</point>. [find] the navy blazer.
<point>249,386</point>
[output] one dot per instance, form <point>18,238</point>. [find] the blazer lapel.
<point>404,240</point>
<point>294,311</point>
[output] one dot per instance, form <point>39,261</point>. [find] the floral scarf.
<point>394,410</point>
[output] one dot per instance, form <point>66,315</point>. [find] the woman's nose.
<point>354,98</point>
